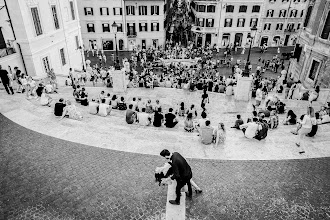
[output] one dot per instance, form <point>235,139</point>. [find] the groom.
<point>182,173</point>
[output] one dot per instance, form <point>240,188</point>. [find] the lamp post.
<point>82,57</point>
<point>114,28</point>
<point>247,70</point>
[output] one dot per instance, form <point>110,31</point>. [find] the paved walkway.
<point>48,178</point>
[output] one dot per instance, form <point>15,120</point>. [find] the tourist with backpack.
<point>250,128</point>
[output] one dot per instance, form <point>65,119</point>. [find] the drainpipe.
<point>19,46</point>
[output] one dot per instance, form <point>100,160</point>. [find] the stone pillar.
<point>243,89</point>
<point>119,84</point>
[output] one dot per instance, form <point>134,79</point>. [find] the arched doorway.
<point>225,39</point>
<point>238,39</point>
<point>121,44</point>
<point>264,40</point>
<point>107,45</point>
<point>208,39</point>
<point>277,40</point>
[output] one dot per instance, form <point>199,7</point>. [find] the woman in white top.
<point>306,126</point>
<point>219,134</point>
<point>45,99</point>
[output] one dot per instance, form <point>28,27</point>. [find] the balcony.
<point>290,30</point>
<point>131,34</point>
<point>7,51</point>
<point>206,30</point>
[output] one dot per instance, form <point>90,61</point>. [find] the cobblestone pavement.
<point>47,178</point>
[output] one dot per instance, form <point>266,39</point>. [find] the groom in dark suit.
<point>181,173</point>
<point>5,80</point>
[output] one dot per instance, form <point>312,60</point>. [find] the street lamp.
<point>82,57</point>
<point>253,34</point>
<point>114,28</point>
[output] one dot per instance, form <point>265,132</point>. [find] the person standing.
<point>5,80</point>
<point>181,173</point>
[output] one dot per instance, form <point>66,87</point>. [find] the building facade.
<point>48,34</point>
<point>281,22</point>
<point>140,23</point>
<point>311,64</point>
<point>225,22</point>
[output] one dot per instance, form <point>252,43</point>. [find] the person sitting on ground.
<point>50,88</point>
<point>104,109</point>
<point>182,109</point>
<point>83,97</point>
<point>230,89</point>
<point>134,103</point>
<point>158,118</point>
<point>71,112</point>
<point>157,106</point>
<point>219,134</point>
<point>59,106</point>
<point>149,108</point>
<point>114,102</point>
<point>188,123</point>
<point>101,95</point>
<point>108,99</point>
<point>143,118</point>
<point>68,81</point>
<point>193,111</point>
<point>130,115</point>
<point>93,107</point>
<point>238,122</point>
<point>201,121</point>
<point>122,104</point>
<point>266,111</point>
<point>76,93</point>
<point>45,99</point>
<point>250,129</point>
<point>206,133</point>
<point>291,118</point>
<point>324,116</point>
<point>39,90</point>
<point>140,105</point>
<point>170,119</point>
<point>273,120</point>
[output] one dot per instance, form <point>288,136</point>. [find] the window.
<point>119,27</point>
<point>88,11</point>
<point>293,13</point>
<point>282,13</point>
<point>131,29</point>
<point>209,22</point>
<point>106,27</point>
<point>45,62</point>
<point>90,27</point>
<point>313,70</point>
<point>290,26</point>
<point>117,11</point>
<point>296,1</point>
<point>211,8</point>
<point>142,10</point>
<point>230,8</point>
<point>54,12</point>
<point>130,10</point>
<point>285,0</point>
<point>242,8</point>
<point>308,15</point>
<point>72,11</point>
<point>201,8</point>
<point>62,56</point>
<point>255,8</point>
<point>201,22</point>
<point>253,22</point>
<point>228,22</point>
<point>272,1</point>
<point>154,10</point>
<point>143,27</point>
<point>104,11</point>
<point>326,28</point>
<point>267,26</point>
<point>77,42</point>
<point>270,13</point>
<point>36,21</point>
<point>302,13</point>
<point>279,26</point>
<point>240,22</point>
<point>154,26</point>
<point>298,26</point>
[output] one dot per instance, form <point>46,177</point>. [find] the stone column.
<point>119,84</point>
<point>243,89</point>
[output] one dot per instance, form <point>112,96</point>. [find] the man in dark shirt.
<point>181,173</point>
<point>158,118</point>
<point>5,80</point>
<point>130,115</point>
<point>170,119</point>
<point>59,106</point>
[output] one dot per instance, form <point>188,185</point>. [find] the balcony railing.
<point>131,34</point>
<point>7,51</point>
<point>290,30</point>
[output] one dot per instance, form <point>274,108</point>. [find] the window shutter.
<point>128,28</point>
<point>107,11</point>
<point>146,26</point>
<point>134,28</point>
<point>92,11</point>
<point>133,10</point>
<point>326,28</point>
<point>157,26</point>
<point>101,13</point>
<point>140,27</point>
<point>152,10</point>
<point>127,8</point>
<point>85,9</point>
<point>121,11</point>
<point>139,10</point>
<point>152,26</point>
<point>157,10</point>
<point>146,8</point>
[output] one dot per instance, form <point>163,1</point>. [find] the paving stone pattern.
<point>48,178</point>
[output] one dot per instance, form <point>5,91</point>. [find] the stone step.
<point>175,212</point>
